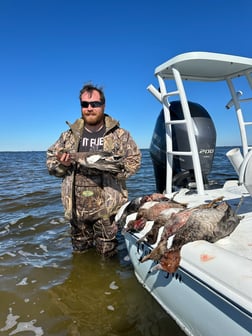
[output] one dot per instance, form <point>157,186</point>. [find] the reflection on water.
<point>45,289</point>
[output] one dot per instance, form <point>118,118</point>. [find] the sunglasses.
<point>85,104</point>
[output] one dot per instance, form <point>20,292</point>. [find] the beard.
<point>93,119</point>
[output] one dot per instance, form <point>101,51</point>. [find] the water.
<point>45,289</point>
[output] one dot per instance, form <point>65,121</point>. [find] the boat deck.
<point>240,241</point>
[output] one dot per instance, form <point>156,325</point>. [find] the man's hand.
<point>64,159</point>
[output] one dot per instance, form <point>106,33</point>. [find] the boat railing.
<point>242,162</point>
<point>236,101</point>
<point>163,97</point>
<point>235,156</point>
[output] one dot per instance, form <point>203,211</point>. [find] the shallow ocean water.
<point>45,289</point>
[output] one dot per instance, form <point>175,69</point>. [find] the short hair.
<point>90,88</point>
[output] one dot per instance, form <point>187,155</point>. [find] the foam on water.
<point>11,322</point>
<point>23,282</point>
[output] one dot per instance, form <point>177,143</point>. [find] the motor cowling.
<point>205,135</point>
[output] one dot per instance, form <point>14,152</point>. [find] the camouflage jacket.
<point>116,141</point>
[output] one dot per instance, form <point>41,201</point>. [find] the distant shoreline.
<point>33,151</point>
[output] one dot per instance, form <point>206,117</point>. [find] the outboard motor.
<point>183,172</point>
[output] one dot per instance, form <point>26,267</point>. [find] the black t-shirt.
<point>92,141</point>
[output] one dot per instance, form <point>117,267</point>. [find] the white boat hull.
<point>195,306</point>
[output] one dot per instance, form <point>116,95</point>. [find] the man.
<point>93,193</point>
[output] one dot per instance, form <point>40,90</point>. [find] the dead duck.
<point>209,222</point>
<point>134,205</point>
<point>152,213</point>
<point>135,225</point>
<point>152,235</point>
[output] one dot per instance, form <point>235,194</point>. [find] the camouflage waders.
<point>91,224</point>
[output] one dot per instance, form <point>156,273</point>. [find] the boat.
<point>210,293</point>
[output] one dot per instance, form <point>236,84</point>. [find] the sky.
<point>51,48</point>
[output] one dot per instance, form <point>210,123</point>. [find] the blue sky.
<point>50,48</point>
